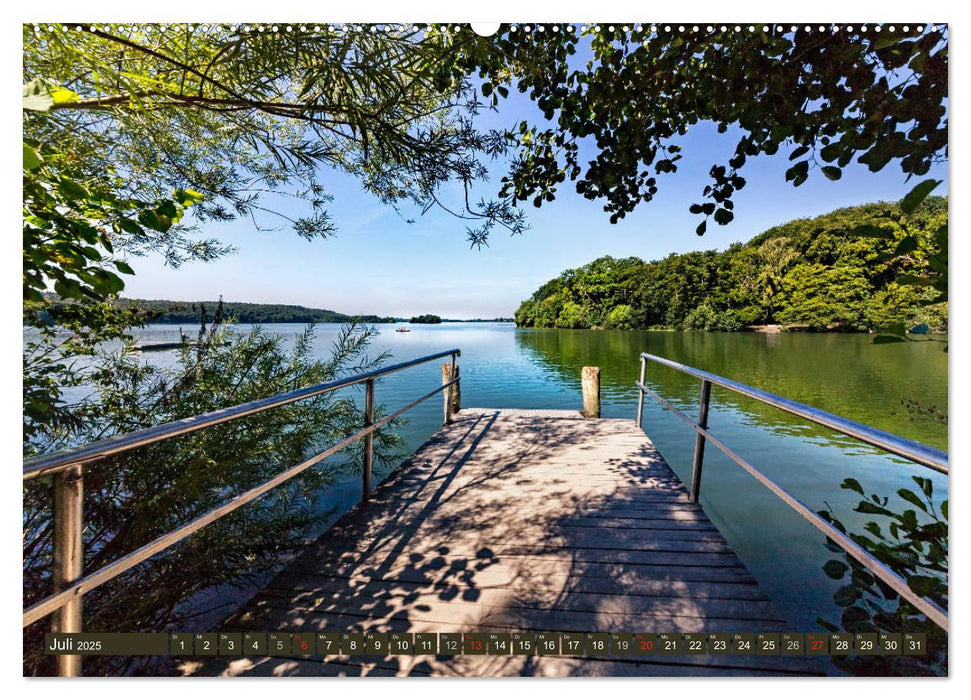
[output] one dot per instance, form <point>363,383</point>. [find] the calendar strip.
<point>586,644</point>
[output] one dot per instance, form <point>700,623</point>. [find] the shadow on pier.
<point>518,521</point>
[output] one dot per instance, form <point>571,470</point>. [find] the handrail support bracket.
<point>699,457</point>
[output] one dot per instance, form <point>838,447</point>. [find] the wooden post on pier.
<point>590,381</point>
<point>453,395</point>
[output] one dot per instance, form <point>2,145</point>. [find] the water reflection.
<point>843,374</point>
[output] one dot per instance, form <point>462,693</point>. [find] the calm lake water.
<point>506,367</point>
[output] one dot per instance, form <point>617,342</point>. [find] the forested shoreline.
<point>848,270</point>
<point>187,312</point>
<point>165,311</point>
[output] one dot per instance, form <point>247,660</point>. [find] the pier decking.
<point>512,520</point>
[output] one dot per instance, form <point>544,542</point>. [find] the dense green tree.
<point>820,296</point>
<point>162,311</point>
<point>860,268</point>
<point>621,318</point>
<point>426,318</point>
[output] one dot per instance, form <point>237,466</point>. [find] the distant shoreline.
<point>169,312</point>
<point>349,319</point>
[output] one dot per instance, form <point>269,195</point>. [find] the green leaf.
<point>911,497</point>
<point>150,219</point>
<point>835,569</point>
<point>129,226</point>
<point>92,253</point>
<point>873,509</point>
<point>32,159</point>
<point>908,519</point>
<point>798,171</point>
<point>917,195</point>
<point>124,267</point>
<point>701,228</point>
<point>923,585</point>
<point>907,244</point>
<point>107,282</point>
<point>72,190</point>
<point>187,197</point>
<point>926,485</point>
<point>832,172</point>
<point>855,619</point>
<point>847,595</point>
<point>886,40</point>
<point>830,152</point>
<point>852,485</point>
<point>167,208</point>
<point>37,96</point>
<point>62,95</point>
<point>801,151</point>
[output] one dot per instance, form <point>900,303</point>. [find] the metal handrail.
<point>908,449</point>
<point>913,451</point>
<point>66,467</point>
<point>93,451</point>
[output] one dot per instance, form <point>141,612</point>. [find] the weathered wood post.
<point>68,556</point>
<point>590,382</point>
<point>453,394</point>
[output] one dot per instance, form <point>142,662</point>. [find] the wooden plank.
<point>519,521</point>
<point>275,614</point>
<point>700,572</point>
<point>321,598</point>
<point>577,583</point>
<point>425,666</point>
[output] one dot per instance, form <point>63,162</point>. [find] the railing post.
<point>700,441</point>
<point>453,394</point>
<point>68,556</point>
<point>640,390</point>
<point>368,439</point>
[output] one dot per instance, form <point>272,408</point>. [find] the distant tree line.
<point>426,318</point>
<point>163,311</point>
<point>857,269</point>
<point>498,319</point>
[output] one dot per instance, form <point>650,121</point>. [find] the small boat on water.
<point>154,347</point>
<point>184,341</point>
<point>402,330</point>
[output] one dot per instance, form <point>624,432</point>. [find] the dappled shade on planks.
<point>511,520</point>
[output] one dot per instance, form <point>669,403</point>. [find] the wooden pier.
<point>516,520</point>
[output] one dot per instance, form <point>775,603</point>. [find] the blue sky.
<point>380,264</point>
